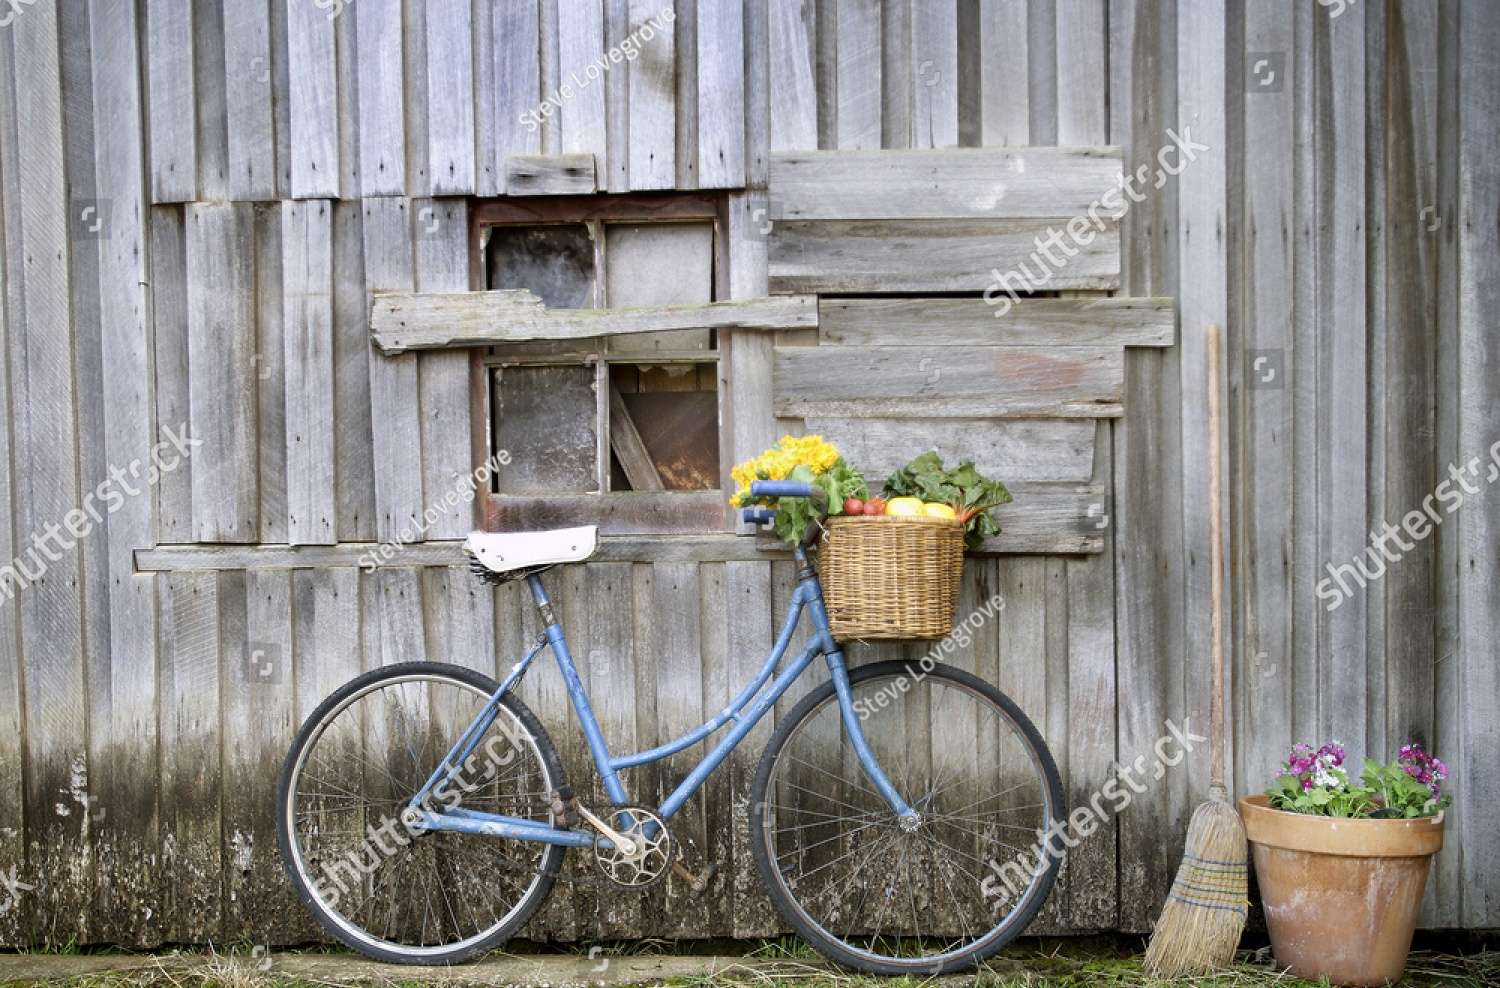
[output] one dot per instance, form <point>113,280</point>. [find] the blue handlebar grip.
<point>757,516</point>
<point>780,488</point>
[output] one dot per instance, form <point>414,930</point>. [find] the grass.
<point>788,963</point>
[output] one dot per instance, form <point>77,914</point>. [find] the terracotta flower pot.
<point>1341,896</point>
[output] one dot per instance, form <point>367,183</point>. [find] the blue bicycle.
<point>902,817</point>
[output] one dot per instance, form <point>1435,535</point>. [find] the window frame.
<point>616,512</point>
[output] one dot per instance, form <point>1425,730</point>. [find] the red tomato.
<point>853,506</point>
<point>875,506</point>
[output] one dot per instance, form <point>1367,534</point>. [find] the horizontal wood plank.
<point>969,255</point>
<point>948,382</point>
<point>1045,519</point>
<point>1007,449</point>
<point>401,321</point>
<point>975,322</point>
<point>941,184</point>
<point>550,175</point>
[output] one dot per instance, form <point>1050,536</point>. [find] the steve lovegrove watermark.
<point>626,51</point>
<point>1418,524</point>
<point>1063,835</point>
<point>1081,230</point>
<point>958,638</point>
<point>370,561</point>
<point>54,540</point>
<point>382,841</point>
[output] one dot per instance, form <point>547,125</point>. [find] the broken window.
<point>633,414</point>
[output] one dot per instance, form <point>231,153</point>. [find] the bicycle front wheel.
<point>390,890</point>
<point>879,894</point>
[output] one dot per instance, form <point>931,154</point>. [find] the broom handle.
<point>1216,559</point>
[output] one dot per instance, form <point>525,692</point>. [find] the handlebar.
<point>757,516</point>
<point>780,488</point>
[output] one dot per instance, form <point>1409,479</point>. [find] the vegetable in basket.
<point>810,460</point>
<point>964,489</point>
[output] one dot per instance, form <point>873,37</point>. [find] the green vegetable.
<point>794,514</point>
<point>963,488</point>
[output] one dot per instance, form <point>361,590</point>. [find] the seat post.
<point>543,603</point>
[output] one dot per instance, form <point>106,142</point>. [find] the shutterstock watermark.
<point>626,51</point>
<point>1339,585</point>
<point>960,637</point>
<point>1014,875</point>
<point>60,537</point>
<point>1081,230</point>
<point>383,840</point>
<point>12,890</point>
<point>463,493</point>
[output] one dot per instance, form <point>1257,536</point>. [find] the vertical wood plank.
<point>517,38</point>
<point>221,386</point>
<point>1411,457</point>
<point>1003,60</point>
<point>43,395</point>
<point>1263,654</point>
<point>1479,526</point>
<point>131,828</point>
<point>611,659</point>
<point>1446,897</point>
<point>747,616</point>
<point>757,92</point>
<point>1202,300</point>
<point>13,925</point>
<point>270,371</point>
<point>307,298</point>
<point>382,125</point>
<point>442,231</point>
<point>85,793</point>
<point>169,305</point>
<point>354,465</point>
<point>652,97</point>
<point>172,106</point>
<point>1343,477</point>
<point>1041,70</point>
<point>395,417</point>
<point>211,101</point>
<point>256,627</point>
<point>191,757</point>
<point>1082,62</point>
<point>616,175</point>
<point>897,74</point>
<point>580,44</point>
<point>934,82</point>
<point>1148,462</point>
<point>314,101</point>
<point>450,97</point>
<point>858,73</point>
<point>794,96</point>
<point>249,119</point>
<point>721,96</point>
<point>685,59</point>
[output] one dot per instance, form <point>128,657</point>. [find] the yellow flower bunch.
<point>780,460</point>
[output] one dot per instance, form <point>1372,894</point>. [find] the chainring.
<point>652,859</point>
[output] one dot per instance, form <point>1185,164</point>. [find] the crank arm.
<point>622,843</point>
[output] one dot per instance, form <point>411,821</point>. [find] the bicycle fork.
<point>838,671</point>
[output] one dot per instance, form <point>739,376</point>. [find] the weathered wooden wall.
<point>256,167</point>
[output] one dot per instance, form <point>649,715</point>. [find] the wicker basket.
<point>891,576</point>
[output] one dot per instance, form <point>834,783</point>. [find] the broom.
<point>1205,912</point>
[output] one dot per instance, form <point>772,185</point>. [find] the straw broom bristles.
<point>1205,912</point>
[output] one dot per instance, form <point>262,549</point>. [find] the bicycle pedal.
<point>698,883</point>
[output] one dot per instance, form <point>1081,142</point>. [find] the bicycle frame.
<point>745,711</point>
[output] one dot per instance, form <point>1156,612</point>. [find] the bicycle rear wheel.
<point>391,892</point>
<point>873,892</point>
